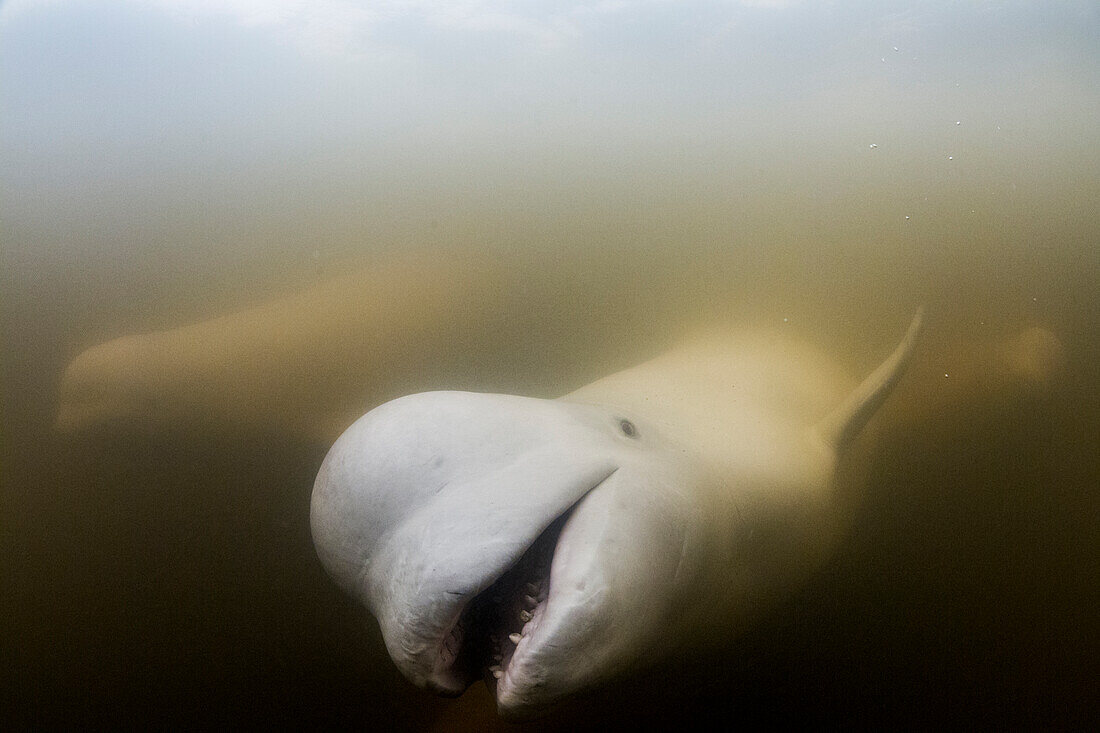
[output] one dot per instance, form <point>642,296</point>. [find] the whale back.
<point>752,383</point>
<point>733,397</point>
<point>756,402</point>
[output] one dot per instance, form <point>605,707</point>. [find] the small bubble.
<point>1034,300</point>
<point>786,319</point>
<point>883,59</point>
<point>945,375</point>
<point>873,146</point>
<point>895,48</point>
<point>951,157</point>
<point>907,217</point>
<point>958,122</point>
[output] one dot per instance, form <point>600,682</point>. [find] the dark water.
<point>159,572</point>
<point>166,575</point>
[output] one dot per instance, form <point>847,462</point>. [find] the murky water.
<point>294,221</point>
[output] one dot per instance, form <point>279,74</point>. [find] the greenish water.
<point>576,195</point>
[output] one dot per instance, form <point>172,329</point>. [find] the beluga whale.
<point>550,546</point>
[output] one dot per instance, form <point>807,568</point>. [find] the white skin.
<point>695,488</point>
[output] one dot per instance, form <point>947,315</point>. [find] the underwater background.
<point>535,195</point>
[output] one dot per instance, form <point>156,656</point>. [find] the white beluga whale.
<point>550,546</point>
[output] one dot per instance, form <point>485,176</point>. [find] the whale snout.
<point>523,547</point>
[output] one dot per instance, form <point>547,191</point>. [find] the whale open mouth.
<point>492,624</point>
<point>459,588</point>
<point>483,640</point>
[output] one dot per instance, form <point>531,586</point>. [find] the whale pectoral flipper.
<point>846,421</point>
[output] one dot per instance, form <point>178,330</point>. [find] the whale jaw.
<point>445,636</point>
<point>592,593</point>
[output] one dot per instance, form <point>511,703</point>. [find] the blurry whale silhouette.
<point>310,363</point>
<point>307,358</point>
<point>548,546</point>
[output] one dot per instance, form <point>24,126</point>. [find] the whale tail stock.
<point>845,422</point>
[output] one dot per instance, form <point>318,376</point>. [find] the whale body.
<point>549,546</point>
<point>308,363</point>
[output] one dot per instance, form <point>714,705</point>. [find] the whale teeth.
<point>530,601</point>
<point>525,616</point>
<point>531,588</point>
<point>515,637</point>
<point>498,674</point>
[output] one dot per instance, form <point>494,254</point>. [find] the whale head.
<point>541,545</point>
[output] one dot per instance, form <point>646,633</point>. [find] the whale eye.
<point>628,428</point>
